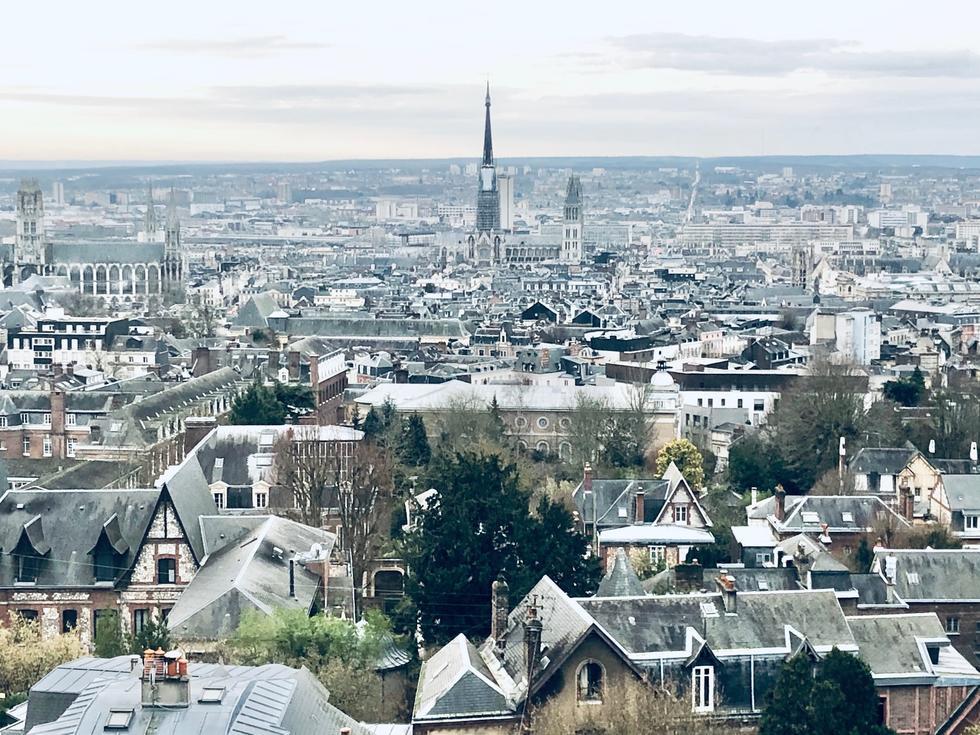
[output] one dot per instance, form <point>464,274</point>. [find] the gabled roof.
<point>842,513</point>
<point>250,572</point>
<point>456,684</point>
<point>962,491</point>
<point>882,460</point>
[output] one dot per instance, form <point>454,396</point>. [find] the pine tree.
<point>787,711</point>
<point>372,427</point>
<point>257,406</point>
<point>478,528</point>
<point>154,634</point>
<point>109,638</point>
<point>414,449</point>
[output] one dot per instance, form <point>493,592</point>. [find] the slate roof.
<point>962,491</point>
<point>621,580</point>
<point>882,460</point>
<point>110,251</point>
<point>66,546</point>
<point>263,700</point>
<point>612,498</point>
<point>894,646</point>
<point>188,490</point>
<point>247,573</point>
<point>864,510</point>
<point>757,579</point>
<point>256,311</point>
<point>456,683</point>
<point>932,574</point>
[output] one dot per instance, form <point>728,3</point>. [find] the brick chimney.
<point>58,423</point>
<point>499,607</point>
<point>906,503</point>
<point>532,641</point>
<point>164,681</point>
<point>195,429</point>
<point>587,477</point>
<point>640,497</point>
<point>726,583</point>
<point>780,503</point>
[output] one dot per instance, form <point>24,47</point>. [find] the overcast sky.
<point>244,80</point>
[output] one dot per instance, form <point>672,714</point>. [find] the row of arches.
<point>120,279</point>
<point>543,447</point>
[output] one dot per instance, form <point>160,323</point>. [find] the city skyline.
<point>218,83</point>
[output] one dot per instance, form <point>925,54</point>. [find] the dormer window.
<point>31,548</point>
<point>109,551</point>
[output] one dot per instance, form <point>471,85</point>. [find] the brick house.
<point>661,517</point>
<point>70,555</point>
<point>42,424</point>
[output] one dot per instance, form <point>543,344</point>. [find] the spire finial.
<point>488,93</point>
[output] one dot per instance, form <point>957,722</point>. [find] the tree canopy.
<point>262,405</point>
<point>836,694</point>
<point>479,526</point>
<point>687,458</point>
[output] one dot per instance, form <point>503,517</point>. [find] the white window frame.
<point>260,495</point>
<point>219,498</point>
<point>971,522</point>
<point>69,419</point>
<point>703,689</point>
<point>26,445</point>
<point>952,624</point>
<point>70,444</point>
<point>47,446</point>
<point>679,511</point>
<point>658,554</point>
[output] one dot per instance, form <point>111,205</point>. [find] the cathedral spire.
<point>487,140</point>
<point>150,220</point>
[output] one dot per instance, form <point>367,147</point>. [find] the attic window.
<point>810,516</point>
<point>912,577</point>
<point>115,426</point>
<point>847,516</point>
<point>211,695</point>
<point>763,585</point>
<point>622,512</point>
<point>119,719</point>
<point>266,440</point>
<point>219,463</point>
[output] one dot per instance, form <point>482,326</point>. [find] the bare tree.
<point>628,707</point>
<point>364,492</point>
<point>304,466</point>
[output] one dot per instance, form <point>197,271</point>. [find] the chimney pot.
<point>499,603</point>
<point>780,503</point>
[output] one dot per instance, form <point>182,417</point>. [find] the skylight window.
<point>847,516</point>
<point>219,463</point>
<point>119,719</point>
<point>912,577</point>
<point>211,695</point>
<point>115,426</point>
<point>709,610</point>
<point>763,585</point>
<point>622,512</point>
<point>810,516</point>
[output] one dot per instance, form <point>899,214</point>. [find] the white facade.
<point>505,189</point>
<point>858,336</point>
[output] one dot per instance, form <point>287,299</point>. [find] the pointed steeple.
<point>487,139</point>
<point>150,219</point>
<point>172,221</point>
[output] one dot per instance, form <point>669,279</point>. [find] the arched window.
<point>589,683</point>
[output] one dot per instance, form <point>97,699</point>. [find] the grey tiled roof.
<point>622,580</point>
<point>248,574</point>
<point>932,574</point>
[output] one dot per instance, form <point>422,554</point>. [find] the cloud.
<point>237,48</point>
<point>754,57</point>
